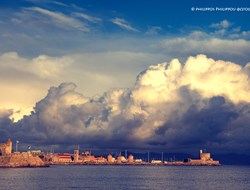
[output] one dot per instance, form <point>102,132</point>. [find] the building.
<point>205,156</point>
<point>62,158</point>
<point>130,159</point>
<point>204,159</point>
<point>156,162</point>
<point>110,159</point>
<point>37,152</point>
<point>76,155</point>
<point>87,157</point>
<point>121,159</point>
<point>101,160</point>
<point>6,149</point>
<point>138,161</point>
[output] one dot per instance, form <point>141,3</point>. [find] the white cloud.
<point>208,97</point>
<point>23,80</point>
<point>87,17</point>
<point>166,91</point>
<point>224,30</point>
<point>123,24</point>
<point>245,34</point>
<point>59,3</point>
<point>43,66</point>
<point>222,24</point>
<point>216,78</point>
<point>237,29</point>
<point>16,21</point>
<point>230,49</point>
<point>60,19</point>
<point>154,30</point>
<point>93,72</point>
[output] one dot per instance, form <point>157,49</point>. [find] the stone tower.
<point>76,155</point>
<point>130,159</point>
<point>6,149</point>
<point>110,159</point>
<point>9,146</point>
<point>204,156</point>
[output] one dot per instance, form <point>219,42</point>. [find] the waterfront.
<point>126,177</point>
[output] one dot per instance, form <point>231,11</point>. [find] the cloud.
<point>123,24</point>
<point>153,30</point>
<point>93,72</point>
<point>42,66</point>
<point>60,19</point>
<point>199,103</point>
<point>221,43</point>
<point>224,29</point>
<point>240,34</point>
<point>222,24</point>
<point>5,123</point>
<point>20,75</point>
<point>16,21</point>
<point>87,17</point>
<point>204,43</point>
<point>59,3</point>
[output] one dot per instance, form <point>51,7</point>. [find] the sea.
<point>125,177</point>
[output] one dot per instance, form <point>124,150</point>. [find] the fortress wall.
<point>205,156</point>
<point>202,162</point>
<point>21,160</point>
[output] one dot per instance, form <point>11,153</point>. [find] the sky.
<point>162,75</point>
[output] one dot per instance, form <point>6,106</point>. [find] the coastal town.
<point>37,158</point>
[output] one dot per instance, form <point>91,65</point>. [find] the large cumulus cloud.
<point>19,74</point>
<point>172,106</point>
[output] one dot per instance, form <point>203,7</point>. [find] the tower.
<point>204,156</point>
<point>110,158</point>
<point>131,159</point>
<point>76,155</point>
<point>8,149</point>
<point>119,159</point>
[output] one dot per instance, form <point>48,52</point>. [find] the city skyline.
<point>126,75</point>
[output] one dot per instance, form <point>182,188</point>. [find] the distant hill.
<point>233,159</point>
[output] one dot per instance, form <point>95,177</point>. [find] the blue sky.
<point>85,21</point>
<point>104,45</point>
<point>146,13</point>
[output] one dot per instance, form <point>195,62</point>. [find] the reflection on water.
<point>126,177</point>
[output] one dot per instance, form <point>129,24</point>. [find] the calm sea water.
<point>126,177</point>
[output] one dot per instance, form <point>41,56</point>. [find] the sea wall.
<point>203,163</point>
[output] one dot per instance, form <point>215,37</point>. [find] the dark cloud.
<point>5,123</point>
